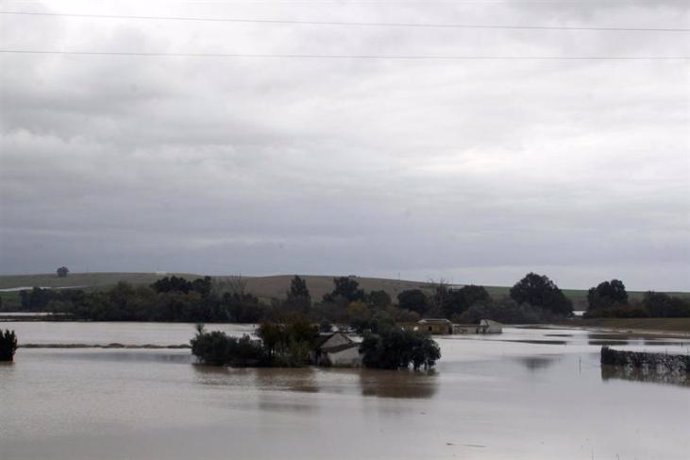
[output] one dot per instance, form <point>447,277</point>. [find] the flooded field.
<point>525,394</point>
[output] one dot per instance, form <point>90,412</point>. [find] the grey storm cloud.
<point>471,171</point>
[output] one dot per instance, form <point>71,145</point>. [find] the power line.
<point>346,23</point>
<point>349,56</point>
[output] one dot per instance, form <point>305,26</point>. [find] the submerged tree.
<point>394,348</point>
<point>218,349</point>
<point>8,345</point>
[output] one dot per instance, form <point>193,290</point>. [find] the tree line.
<point>609,299</point>
<point>535,298</point>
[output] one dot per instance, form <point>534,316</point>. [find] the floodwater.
<point>525,394</point>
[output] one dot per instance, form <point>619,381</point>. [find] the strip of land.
<point>677,327</point>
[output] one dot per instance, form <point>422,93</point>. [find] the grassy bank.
<point>641,325</point>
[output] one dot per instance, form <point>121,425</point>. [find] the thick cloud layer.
<point>471,171</point>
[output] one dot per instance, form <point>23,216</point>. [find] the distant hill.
<point>92,280</point>
<point>261,286</point>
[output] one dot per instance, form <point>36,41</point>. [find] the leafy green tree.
<point>415,300</point>
<point>406,316</point>
<point>242,307</point>
<point>288,343</point>
<point>359,316</point>
<point>659,304</point>
<point>272,336</point>
<point>607,294</point>
<point>540,291</point>
<point>394,348</point>
<point>298,297</point>
<point>347,288</point>
<point>379,299</point>
<point>8,345</point>
<point>216,348</point>
<point>203,286</point>
<point>456,301</point>
<point>504,311</point>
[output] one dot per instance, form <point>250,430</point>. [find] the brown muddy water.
<point>525,394</point>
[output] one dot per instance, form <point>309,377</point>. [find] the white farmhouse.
<point>338,350</point>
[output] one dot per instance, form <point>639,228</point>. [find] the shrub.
<point>620,311</point>
<point>217,349</point>
<point>505,311</point>
<point>8,345</point>
<point>396,349</point>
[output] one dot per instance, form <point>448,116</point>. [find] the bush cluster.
<point>394,348</point>
<point>8,345</point>
<point>653,305</point>
<point>218,349</point>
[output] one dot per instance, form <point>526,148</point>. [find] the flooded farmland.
<point>524,394</point>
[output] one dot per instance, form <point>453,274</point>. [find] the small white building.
<point>336,349</point>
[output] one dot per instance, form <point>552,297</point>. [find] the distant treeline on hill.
<point>609,299</point>
<point>533,299</point>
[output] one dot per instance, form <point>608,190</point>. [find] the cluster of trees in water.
<point>8,345</point>
<point>291,343</point>
<point>609,299</point>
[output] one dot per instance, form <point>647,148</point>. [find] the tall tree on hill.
<point>345,288</point>
<point>298,296</point>
<point>540,291</point>
<point>607,294</point>
<point>62,272</point>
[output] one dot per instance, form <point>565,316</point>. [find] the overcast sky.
<point>474,171</point>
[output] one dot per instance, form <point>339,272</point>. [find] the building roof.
<point>337,348</point>
<point>325,337</point>
<point>434,321</point>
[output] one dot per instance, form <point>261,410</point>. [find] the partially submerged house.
<point>485,326</point>
<point>436,326</point>
<point>336,349</point>
<point>442,326</point>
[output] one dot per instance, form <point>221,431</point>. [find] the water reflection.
<point>598,339</point>
<point>537,342</point>
<point>398,384</point>
<point>643,375</point>
<point>268,379</point>
<point>666,343</point>
<point>538,363</point>
<point>282,379</point>
<point>371,382</point>
<point>124,356</point>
